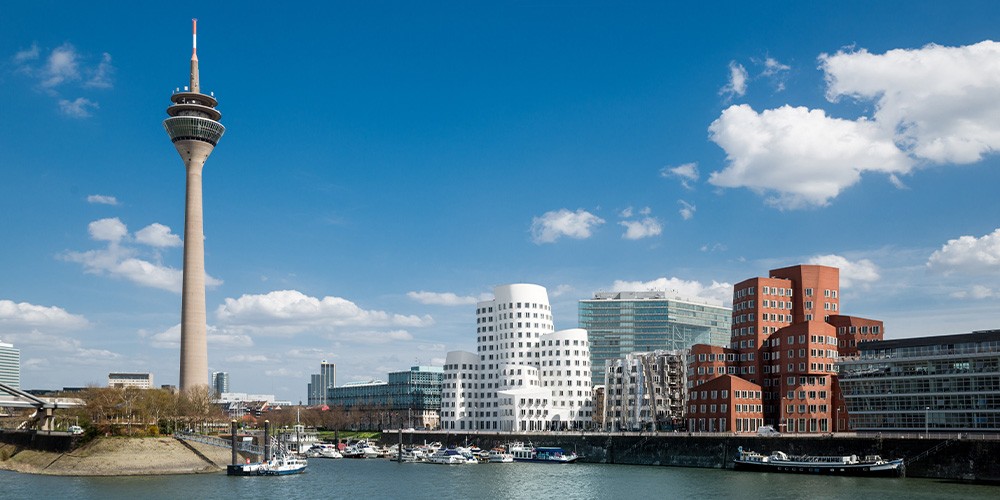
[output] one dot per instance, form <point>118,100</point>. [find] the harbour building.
<point>620,323</point>
<point>779,367</point>
<point>946,383</point>
<point>410,398</point>
<point>524,375</point>
<point>645,391</point>
<point>10,365</point>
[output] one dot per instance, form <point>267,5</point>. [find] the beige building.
<point>139,380</point>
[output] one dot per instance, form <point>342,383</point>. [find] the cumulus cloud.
<point>978,292</point>
<point>800,157</point>
<point>120,260</point>
<point>940,102</point>
<point>442,298</point>
<point>558,223</point>
<point>60,350</point>
<point>157,235</point>
<point>934,104</point>
<point>716,293</point>
<point>968,255</point>
<point>60,66</point>
<point>776,72</point>
<point>860,272</point>
<point>102,199</point>
<point>737,85</point>
<point>687,173</point>
<point>643,228</point>
<point>687,210</point>
<point>77,108</point>
<point>21,316</point>
<point>287,312</point>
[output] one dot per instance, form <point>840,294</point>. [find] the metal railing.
<point>220,442</point>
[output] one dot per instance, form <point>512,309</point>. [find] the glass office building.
<point>947,383</point>
<point>10,365</point>
<point>620,323</point>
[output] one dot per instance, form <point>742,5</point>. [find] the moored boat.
<point>282,465</point>
<point>542,454</point>
<point>500,456</point>
<point>850,465</point>
<point>448,456</point>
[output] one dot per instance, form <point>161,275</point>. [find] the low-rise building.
<point>946,383</point>
<point>410,398</point>
<point>130,379</point>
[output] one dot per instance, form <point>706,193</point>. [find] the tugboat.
<point>851,465</point>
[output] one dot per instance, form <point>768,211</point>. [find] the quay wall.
<point>954,459</point>
<point>59,442</point>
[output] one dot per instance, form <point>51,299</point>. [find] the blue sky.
<point>386,164</point>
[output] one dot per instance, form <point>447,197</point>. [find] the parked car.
<point>767,431</point>
<point>75,429</point>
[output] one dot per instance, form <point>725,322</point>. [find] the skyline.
<point>429,153</point>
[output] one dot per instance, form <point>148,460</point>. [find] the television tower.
<point>194,129</point>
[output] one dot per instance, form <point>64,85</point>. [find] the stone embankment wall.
<point>964,459</point>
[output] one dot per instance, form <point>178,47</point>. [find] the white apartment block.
<point>524,375</point>
<point>122,379</point>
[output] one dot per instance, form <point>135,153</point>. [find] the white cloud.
<point>625,214</point>
<point>643,228</point>
<point>102,199</point>
<point>77,108</point>
<point>561,290</point>
<point>122,261</point>
<point>802,156</point>
<point>968,255</point>
<point>442,298</point>
<point>716,293</point>
<point>737,86</point>
<point>29,54</point>
<point>861,272</point>
<point>157,235</point>
<point>248,358</point>
<point>940,102</point>
<point>553,225</point>
<point>687,210</point>
<point>20,316</point>
<point>61,66</point>
<point>687,173</point>
<point>101,77</point>
<point>775,72</point>
<point>978,292</point>
<point>287,312</point>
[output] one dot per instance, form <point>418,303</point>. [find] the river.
<point>363,479</point>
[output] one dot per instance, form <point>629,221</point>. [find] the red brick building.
<point>787,332</point>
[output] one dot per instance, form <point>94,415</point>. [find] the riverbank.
<point>119,457</point>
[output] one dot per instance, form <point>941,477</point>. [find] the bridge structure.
<point>44,417</point>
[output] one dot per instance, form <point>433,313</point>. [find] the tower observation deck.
<point>195,130</point>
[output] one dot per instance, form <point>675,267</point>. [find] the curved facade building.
<point>524,376</point>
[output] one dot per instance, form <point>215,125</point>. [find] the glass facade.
<point>621,323</point>
<point>947,383</point>
<point>416,389</point>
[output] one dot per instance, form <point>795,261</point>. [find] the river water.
<point>363,479</point>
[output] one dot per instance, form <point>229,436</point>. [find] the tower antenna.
<point>195,86</point>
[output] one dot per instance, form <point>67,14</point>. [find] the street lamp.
<point>927,421</point>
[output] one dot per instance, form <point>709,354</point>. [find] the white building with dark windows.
<point>10,365</point>
<point>524,375</point>
<point>130,379</point>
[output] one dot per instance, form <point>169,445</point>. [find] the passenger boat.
<point>541,454</point>
<point>282,465</point>
<point>851,465</point>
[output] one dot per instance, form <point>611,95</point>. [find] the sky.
<point>386,164</point>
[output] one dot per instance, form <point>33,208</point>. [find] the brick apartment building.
<point>787,332</point>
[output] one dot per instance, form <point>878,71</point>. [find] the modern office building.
<point>946,383</point>
<point>220,382</point>
<point>620,323</point>
<point>524,375</point>
<point>194,129</point>
<point>320,382</point>
<point>10,365</point>
<point>130,379</point>
<point>645,391</point>
<point>787,333</point>
<point>410,398</point>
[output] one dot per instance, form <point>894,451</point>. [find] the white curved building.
<point>524,376</point>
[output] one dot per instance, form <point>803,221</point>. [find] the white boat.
<point>500,456</point>
<point>281,465</point>
<point>448,456</point>
<point>361,449</point>
<point>324,450</point>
